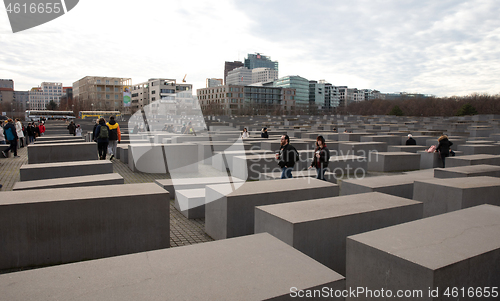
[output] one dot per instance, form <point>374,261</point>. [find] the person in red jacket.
<point>41,127</point>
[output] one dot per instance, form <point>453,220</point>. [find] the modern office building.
<point>156,89</point>
<point>262,75</point>
<point>214,82</point>
<point>316,94</point>
<point>238,99</point>
<point>6,84</point>
<point>40,97</point>
<point>301,86</point>
<point>228,66</point>
<point>258,60</point>
<point>101,93</point>
<point>241,76</point>
<point>332,96</point>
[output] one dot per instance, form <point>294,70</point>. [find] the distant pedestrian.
<point>11,136</point>
<point>102,136</point>
<point>36,129</point>
<point>287,157</point>
<point>264,133</point>
<point>30,131</point>
<point>136,129</point>
<point>410,140</point>
<point>189,129</point>
<point>20,133</point>
<point>444,148</point>
<point>72,128</point>
<point>183,128</point>
<point>78,131</point>
<point>93,130</point>
<point>42,128</point>
<point>245,134</point>
<point>321,158</point>
<point>115,136</point>
<point>2,136</point>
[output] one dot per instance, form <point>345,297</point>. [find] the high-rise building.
<point>228,66</point>
<point>258,60</point>
<point>332,96</point>
<point>240,76</point>
<point>40,97</point>
<point>214,82</point>
<point>101,93</point>
<point>262,75</point>
<point>301,86</point>
<point>6,84</point>
<point>316,94</point>
<point>155,89</point>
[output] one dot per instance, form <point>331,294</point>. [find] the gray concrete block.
<point>311,173</point>
<point>319,228</point>
<point>218,158</point>
<point>62,152</point>
<point>347,165</point>
<point>31,172</point>
<point>475,149</point>
<point>123,150</point>
<point>54,226</point>
<point>445,195</point>
<point>398,185</point>
<point>406,148</point>
<point>458,249</point>
<point>356,137</point>
<point>230,213</point>
<point>92,180</point>
<point>388,139</point>
<point>256,267</point>
<point>468,171</point>
<point>162,158</point>
<point>473,160</point>
<point>429,160</point>
<point>393,161</point>
<point>361,148</point>
<point>171,185</point>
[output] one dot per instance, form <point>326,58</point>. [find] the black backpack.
<point>103,132</point>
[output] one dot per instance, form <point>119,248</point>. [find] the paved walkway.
<point>183,231</point>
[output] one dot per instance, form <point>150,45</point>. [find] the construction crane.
<point>184,79</point>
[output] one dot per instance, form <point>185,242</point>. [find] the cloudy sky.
<point>445,47</point>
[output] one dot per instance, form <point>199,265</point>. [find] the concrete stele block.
<point>319,228</point>
<point>230,213</point>
<point>467,171</point>
<point>445,195</point>
<point>256,267</point>
<point>457,249</point>
<point>31,172</point>
<point>54,226</point>
<point>92,180</point>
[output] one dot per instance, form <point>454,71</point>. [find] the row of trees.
<point>430,106</point>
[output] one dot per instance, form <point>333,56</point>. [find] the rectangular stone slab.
<point>62,152</point>
<point>92,180</point>
<point>467,171</point>
<point>393,161</point>
<point>473,160</point>
<point>256,267</point>
<point>54,226</point>
<point>319,228</point>
<point>457,249</point>
<point>445,195</point>
<point>230,213</point>
<point>30,172</point>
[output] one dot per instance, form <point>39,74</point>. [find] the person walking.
<point>42,128</point>
<point>102,135</point>
<point>321,158</point>
<point>11,136</point>
<point>2,136</point>
<point>245,134</point>
<point>30,130</point>
<point>410,140</point>
<point>264,133</point>
<point>287,156</point>
<point>20,133</point>
<point>115,136</point>
<point>72,128</point>
<point>444,148</point>
<point>78,131</point>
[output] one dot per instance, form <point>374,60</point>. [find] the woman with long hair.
<point>444,147</point>
<point>321,158</point>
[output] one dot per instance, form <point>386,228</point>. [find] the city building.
<point>262,75</point>
<point>156,89</point>
<point>66,102</point>
<point>239,99</point>
<point>316,94</point>
<point>102,93</point>
<point>301,86</point>
<point>258,60</point>
<point>228,66</point>
<point>214,82</point>
<point>332,96</point>
<point>241,76</point>
<point>6,84</point>
<point>47,92</point>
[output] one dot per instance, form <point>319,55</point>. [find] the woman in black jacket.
<point>444,147</point>
<point>321,158</point>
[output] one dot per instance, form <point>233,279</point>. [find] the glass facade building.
<point>257,60</point>
<point>301,86</point>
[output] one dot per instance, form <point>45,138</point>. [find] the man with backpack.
<point>11,136</point>
<point>287,157</point>
<point>115,136</point>
<point>102,135</point>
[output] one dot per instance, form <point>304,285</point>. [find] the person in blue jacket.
<point>11,135</point>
